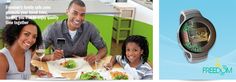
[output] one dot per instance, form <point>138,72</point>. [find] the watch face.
<point>195,35</point>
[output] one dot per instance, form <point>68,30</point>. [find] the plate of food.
<point>68,65</point>
<point>92,75</point>
<point>103,75</point>
<point>118,75</point>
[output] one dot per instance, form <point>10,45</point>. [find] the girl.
<point>135,54</point>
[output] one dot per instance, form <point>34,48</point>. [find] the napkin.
<point>131,72</point>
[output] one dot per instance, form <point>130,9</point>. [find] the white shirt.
<point>72,33</point>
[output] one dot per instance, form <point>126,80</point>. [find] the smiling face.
<point>76,15</point>
<point>133,52</point>
<point>27,36</point>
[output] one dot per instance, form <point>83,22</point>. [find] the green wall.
<point>146,30</point>
<point>104,24</point>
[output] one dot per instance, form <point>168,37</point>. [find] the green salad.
<point>70,64</point>
<point>116,75</point>
<point>90,76</point>
<point>120,77</point>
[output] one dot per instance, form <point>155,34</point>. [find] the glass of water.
<point>40,53</point>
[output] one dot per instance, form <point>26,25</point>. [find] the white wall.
<point>142,14</point>
<point>2,14</point>
<point>110,1</point>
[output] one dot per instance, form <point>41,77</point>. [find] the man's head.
<point>76,13</point>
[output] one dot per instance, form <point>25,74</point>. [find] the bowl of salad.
<point>93,75</point>
<point>117,75</point>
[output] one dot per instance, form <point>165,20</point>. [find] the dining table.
<point>72,75</point>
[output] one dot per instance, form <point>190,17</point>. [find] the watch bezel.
<point>212,35</point>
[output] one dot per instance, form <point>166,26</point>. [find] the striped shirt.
<point>144,71</point>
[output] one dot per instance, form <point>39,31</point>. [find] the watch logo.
<point>218,69</point>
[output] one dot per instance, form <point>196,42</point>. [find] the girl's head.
<point>134,48</point>
<point>22,32</point>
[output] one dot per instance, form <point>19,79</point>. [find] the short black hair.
<point>11,32</point>
<point>141,42</point>
<point>78,2</point>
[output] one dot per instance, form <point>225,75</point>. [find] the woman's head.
<point>24,32</point>
<point>134,48</point>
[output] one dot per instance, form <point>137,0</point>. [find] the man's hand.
<point>58,54</point>
<point>91,59</point>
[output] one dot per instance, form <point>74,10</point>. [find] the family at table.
<point>68,38</point>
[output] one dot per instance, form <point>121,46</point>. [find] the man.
<point>77,33</point>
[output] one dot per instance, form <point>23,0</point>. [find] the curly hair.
<point>141,42</point>
<point>11,32</point>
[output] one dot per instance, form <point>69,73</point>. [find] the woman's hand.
<point>42,73</point>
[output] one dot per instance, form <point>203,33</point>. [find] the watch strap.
<point>186,14</point>
<point>195,58</point>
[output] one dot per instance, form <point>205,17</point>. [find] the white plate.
<point>58,62</point>
<point>130,77</point>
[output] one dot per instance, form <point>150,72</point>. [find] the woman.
<point>21,37</point>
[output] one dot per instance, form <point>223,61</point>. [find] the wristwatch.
<point>196,35</point>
